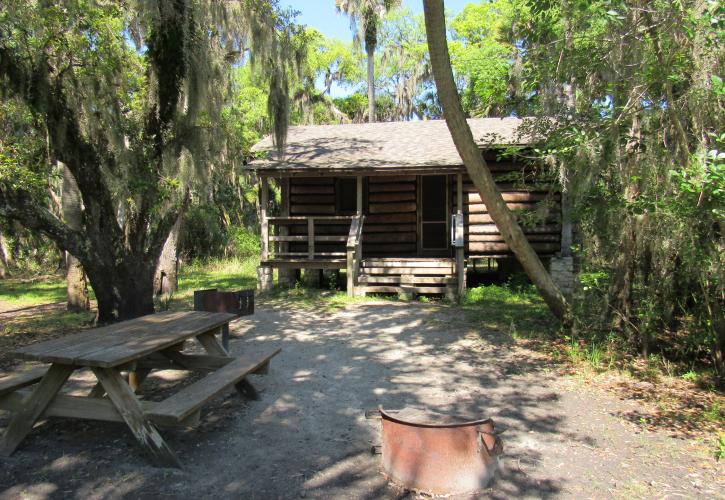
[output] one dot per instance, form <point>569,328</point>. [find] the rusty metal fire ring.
<point>439,458</point>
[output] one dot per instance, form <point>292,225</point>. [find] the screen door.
<point>433,209</point>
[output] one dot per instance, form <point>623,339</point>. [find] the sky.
<point>321,14</point>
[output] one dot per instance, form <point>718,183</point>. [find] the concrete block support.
<point>287,278</point>
<point>562,272</point>
<point>312,278</point>
<point>264,279</point>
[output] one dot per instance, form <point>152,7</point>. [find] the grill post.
<point>240,303</point>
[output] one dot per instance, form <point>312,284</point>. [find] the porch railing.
<point>275,246</point>
<point>354,253</point>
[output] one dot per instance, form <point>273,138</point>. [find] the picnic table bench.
<point>121,356</point>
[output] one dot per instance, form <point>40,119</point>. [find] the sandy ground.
<point>308,437</point>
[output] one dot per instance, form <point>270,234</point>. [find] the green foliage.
<point>244,242</point>
<point>499,307</point>
<point>482,55</point>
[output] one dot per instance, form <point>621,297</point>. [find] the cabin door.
<point>433,215</point>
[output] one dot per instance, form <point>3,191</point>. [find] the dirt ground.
<point>308,437</point>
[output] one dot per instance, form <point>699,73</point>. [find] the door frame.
<point>437,252</point>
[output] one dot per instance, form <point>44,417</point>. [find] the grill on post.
<point>240,303</point>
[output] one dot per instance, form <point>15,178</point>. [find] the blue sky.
<point>321,14</point>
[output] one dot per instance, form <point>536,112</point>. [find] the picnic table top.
<point>113,345</point>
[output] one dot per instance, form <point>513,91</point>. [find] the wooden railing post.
<point>264,223</point>
<point>311,238</point>
<point>354,253</point>
<point>460,250</point>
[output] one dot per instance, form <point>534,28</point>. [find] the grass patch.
<point>224,274</point>
<point>25,292</point>
<point>518,311</point>
<point>47,320</point>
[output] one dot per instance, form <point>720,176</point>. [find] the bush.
<point>243,242</point>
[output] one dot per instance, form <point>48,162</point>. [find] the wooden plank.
<point>492,229</point>
<point>403,289</point>
<point>315,181</point>
<point>499,238</point>
<point>173,360</point>
<point>391,218</point>
<point>388,228</point>
<point>129,408</point>
<point>389,179</point>
<point>409,270</point>
<point>126,341</point>
<point>392,208</point>
<point>410,237</point>
<point>321,219</point>
<point>33,407</point>
<point>293,263</point>
<point>393,186</point>
<point>312,209</point>
<point>413,262</point>
<point>503,247</point>
<point>192,397</point>
<point>516,196</point>
<point>443,280</point>
<point>263,222</point>
<point>312,189</point>
<point>312,199</point>
<point>391,197</point>
<point>79,407</point>
<point>18,380</point>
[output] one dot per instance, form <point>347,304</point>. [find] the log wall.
<point>482,238</point>
<point>391,211</point>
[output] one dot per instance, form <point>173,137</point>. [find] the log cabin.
<point>391,204</point>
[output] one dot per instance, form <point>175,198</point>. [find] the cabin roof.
<point>383,147</point>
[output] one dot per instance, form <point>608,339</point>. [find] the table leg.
<point>24,420</point>
<point>211,344</point>
<point>128,406</point>
<point>137,377</point>
<point>213,347</point>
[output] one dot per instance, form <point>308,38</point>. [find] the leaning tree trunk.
<point>76,285</point>
<point>166,277</point>
<point>371,82</point>
<point>506,223</point>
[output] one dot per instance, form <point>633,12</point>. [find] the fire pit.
<point>446,457</point>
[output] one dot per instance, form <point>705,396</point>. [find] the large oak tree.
<point>130,96</point>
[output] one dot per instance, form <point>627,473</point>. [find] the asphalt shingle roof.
<point>388,146</point>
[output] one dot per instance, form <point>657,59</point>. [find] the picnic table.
<point>121,356</point>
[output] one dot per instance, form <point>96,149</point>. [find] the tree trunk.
<point>76,285</point>
<point>476,165</point>
<point>4,257</point>
<point>371,83</point>
<point>166,277</point>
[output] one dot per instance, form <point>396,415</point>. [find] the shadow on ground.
<point>308,437</point>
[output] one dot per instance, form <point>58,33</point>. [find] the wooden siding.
<point>391,222</point>
<point>482,238</point>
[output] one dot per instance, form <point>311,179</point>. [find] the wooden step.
<point>422,280</point>
<point>417,271</point>
<point>402,262</point>
<point>14,381</point>
<point>441,290</point>
<point>191,398</point>
<point>305,263</point>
